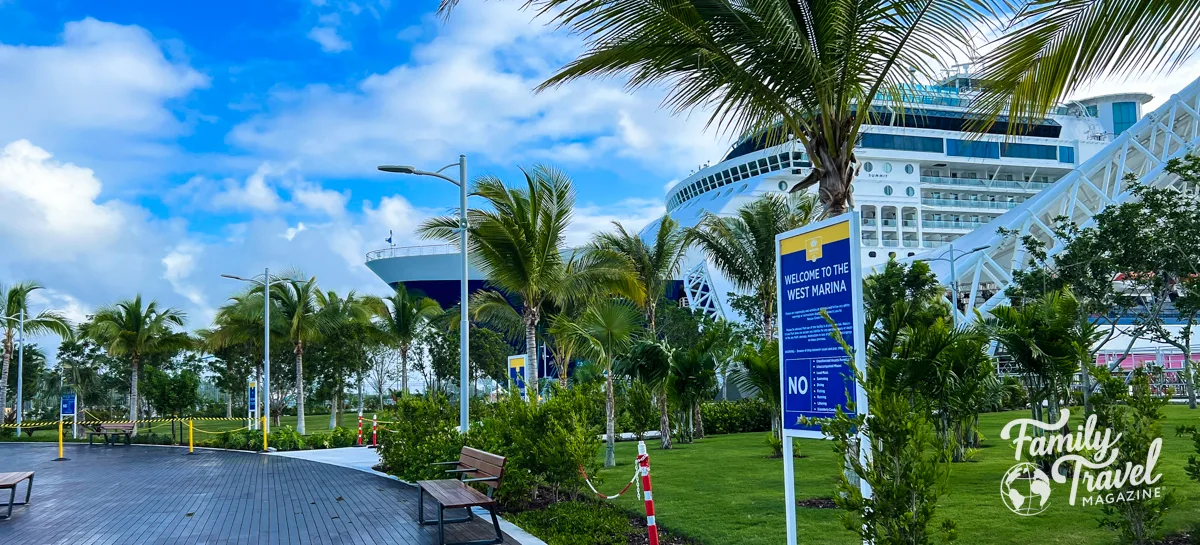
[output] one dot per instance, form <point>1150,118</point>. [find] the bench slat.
<point>454,494</point>
<point>9,480</point>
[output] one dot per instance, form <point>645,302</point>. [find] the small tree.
<point>172,394</point>
<point>1138,519</point>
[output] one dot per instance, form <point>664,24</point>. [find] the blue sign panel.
<point>68,404</point>
<point>818,271</point>
<point>253,397</point>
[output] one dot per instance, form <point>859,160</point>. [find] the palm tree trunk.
<point>228,404</point>
<point>664,422</point>
<point>610,404</point>
<point>531,357</point>
<point>300,387</point>
<point>768,304</point>
<point>698,419</point>
<point>133,391</point>
<point>404,370</point>
<point>333,412</point>
<point>1189,382</point>
<point>8,348</point>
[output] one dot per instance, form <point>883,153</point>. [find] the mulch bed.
<point>1183,538</point>
<point>817,503</point>
<point>641,538</point>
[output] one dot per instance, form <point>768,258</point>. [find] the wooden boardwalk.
<point>139,494</point>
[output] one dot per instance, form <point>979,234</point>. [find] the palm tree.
<point>518,242</point>
<point>649,362</point>
<point>1038,337</point>
<point>759,372</point>
<point>132,330</point>
<point>693,376</point>
<point>605,331</point>
<point>773,67</point>
<point>16,300</point>
<point>298,304</point>
<point>654,265</point>
<point>742,246</point>
<point>348,319</point>
<point>403,318</point>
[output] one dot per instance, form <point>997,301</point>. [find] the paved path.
<point>142,494</point>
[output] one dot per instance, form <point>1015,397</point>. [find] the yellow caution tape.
<point>142,421</point>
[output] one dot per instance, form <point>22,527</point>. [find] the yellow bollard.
<point>191,445</point>
<point>264,427</point>
<point>60,442</point>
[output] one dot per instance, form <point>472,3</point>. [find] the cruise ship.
<point>922,183</point>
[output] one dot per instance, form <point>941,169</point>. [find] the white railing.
<point>986,184</point>
<point>410,251</point>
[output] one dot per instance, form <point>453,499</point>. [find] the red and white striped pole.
<point>643,461</point>
<point>374,431</point>
<point>360,443</point>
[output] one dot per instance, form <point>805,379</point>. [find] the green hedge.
<point>545,443</point>
<point>576,522</point>
<point>742,416</point>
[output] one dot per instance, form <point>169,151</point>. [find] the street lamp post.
<point>20,368</point>
<point>463,328</point>
<point>953,274</point>
<point>266,387</point>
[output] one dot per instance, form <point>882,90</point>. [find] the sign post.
<point>516,373</point>
<point>818,269</point>
<point>69,408</point>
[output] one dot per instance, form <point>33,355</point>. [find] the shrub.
<point>318,440</point>
<point>424,432</point>
<point>285,438</point>
<point>1015,395</point>
<point>571,523</point>
<point>742,416</point>
<point>341,437</point>
<point>152,438</point>
<point>640,414</point>
<point>545,444</point>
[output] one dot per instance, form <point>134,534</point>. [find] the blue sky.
<point>150,146</point>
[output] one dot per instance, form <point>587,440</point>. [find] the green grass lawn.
<point>313,423</point>
<point>724,489</point>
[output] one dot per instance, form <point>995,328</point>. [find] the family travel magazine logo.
<point>1087,456</point>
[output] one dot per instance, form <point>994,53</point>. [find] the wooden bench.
<point>112,432</point>
<point>10,481</point>
<point>472,466</point>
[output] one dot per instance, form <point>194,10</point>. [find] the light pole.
<point>464,327</point>
<point>20,364</point>
<point>953,275</point>
<point>266,397</point>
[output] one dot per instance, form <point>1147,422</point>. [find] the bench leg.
<point>28,490</point>
<point>12,495</point>
<point>496,525</point>
<point>441,524</point>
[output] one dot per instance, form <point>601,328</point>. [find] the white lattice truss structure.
<point>699,290</point>
<point>1171,131</point>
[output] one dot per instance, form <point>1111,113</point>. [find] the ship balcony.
<point>955,225</point>
<point>986,184</point>
<point>961,203</point>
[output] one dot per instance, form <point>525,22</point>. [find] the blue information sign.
<point>68,404</point>
<point>253,397</point>
<point>516,372</point>
<point>818,271</point>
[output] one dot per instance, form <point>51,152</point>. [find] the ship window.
<point>782,187</point>
<point>908,169</point>
<point>902,143</point>
<point>1124,116</point>
<point>1029,151</point>
<point>972,148</point>
<point>872,254</point>
<point>887,168</point>
<point>743,188</point>
<point>868,167</point>
<point>910,191</point>
<point>887,190</point>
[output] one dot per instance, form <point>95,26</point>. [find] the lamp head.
<point>399,169</point>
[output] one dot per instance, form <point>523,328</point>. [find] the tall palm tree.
<point>298,304</point>
<point>605,331</point>
<point>774,67</point>
<point>742,246</point>
<point>16,300</point>
<point>518,242</point>
<point>654,265</point>
<point>693,377</point>
<point>403,318</point>
<point>348,318</point>
<point>649,362</point>
<point>133,330</point>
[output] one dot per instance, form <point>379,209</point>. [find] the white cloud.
<point>633,214</point>
<point>178,265</point>
<point>293,231</point>
<point>329,39</point>
<point>270,189</point>
<point>472,91</point>
<point>102,93</point>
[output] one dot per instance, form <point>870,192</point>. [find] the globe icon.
<point>1025,489</point>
